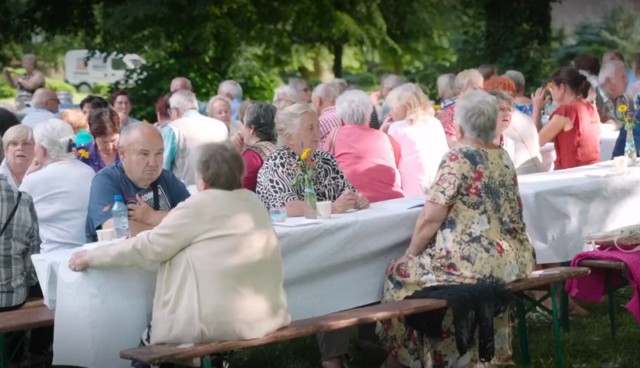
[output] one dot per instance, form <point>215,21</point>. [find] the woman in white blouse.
<point>420,136</point>
<point>60,187</point>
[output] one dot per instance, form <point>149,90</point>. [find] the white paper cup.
<point>324,209</point>
<point>621,162</point>
<point>106,234</point>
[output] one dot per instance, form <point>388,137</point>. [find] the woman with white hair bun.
<point>60,187</point>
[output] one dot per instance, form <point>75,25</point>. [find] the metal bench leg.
<point>521,316</point>
<point>564,309</point>
<point>610,298</point>
<point>556,325</point>
<point>4,359</point>
<point>206,362</point>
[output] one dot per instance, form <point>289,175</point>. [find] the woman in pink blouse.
<point>365,155</point>
<point>258,134</point>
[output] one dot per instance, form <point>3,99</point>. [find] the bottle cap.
<point>118,198</point>
<point>83,137</point>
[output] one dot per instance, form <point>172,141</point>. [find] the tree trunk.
<point>337,59</point>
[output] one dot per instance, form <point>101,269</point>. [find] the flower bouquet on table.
<point>304,182</point>
<point>629,122</point>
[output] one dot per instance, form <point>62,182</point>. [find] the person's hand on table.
<point>79,261</point>
<point>539,99</point>
<point>345,202</point>
<point>361,201</point>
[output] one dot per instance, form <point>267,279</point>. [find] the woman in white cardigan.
<point>221,274</point>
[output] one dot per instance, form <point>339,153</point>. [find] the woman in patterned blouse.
<point>297,129</point>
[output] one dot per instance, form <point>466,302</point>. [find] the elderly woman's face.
<point>505,110</point>
<point>19,153</point>
<point>307,135</point>
<point>221,111</point>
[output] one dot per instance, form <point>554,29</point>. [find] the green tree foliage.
<point>518,36</point>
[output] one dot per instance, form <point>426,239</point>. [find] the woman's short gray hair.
<point>288,119</point>
<point>17,133</point>
<point>477,114</point>
<point>56,137</point>
<point>517,78</point>
<point>446,84</point>
<point>354,107</point>
<point>220,166</point>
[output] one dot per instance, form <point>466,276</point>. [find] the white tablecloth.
<point>561,207</point>
<point>329,266</point>
<point>607,142</point>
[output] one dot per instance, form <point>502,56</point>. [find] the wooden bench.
<point>156,354</point>
<point>32,314</point>
<point>611,268</point>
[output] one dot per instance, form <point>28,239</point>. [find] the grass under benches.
<point>587,345</point>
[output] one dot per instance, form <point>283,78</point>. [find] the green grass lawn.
<point>587,345</point>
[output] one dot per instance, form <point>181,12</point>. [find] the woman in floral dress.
<point>470,230</point>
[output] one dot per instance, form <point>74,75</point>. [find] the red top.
<point>446,118</point>
<point>580,145</point>
<point>252,164</point>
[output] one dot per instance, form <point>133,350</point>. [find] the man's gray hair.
<point>517,78</point>
<point>136,132</point>
<point>288,119</point>
<point>326,91</point>
<point>608,70</point>
<point>183,100</point>
<point>230,88</point>
<point>477,114</point>
<point>340,84</point>
<point>284,93</point>
<point>392,81</point>
<point>354,107</point>
<point>56,137</point>
<point>30,58</point>
<point>296,83</point>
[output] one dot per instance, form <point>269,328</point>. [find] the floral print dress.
<point>483,238</point>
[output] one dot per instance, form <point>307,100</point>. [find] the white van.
<point>83,71</point>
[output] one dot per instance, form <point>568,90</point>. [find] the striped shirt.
<point>18,242</point>
<point>328,122</point>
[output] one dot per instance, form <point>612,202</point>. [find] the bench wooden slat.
<point>601,263</point>
<point>171,353</point>
<point>304,327</point>
<point>26,318</point>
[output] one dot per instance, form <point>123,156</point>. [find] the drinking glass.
<point>278,214</point>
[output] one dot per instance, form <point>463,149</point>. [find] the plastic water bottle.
<point>120,216</point>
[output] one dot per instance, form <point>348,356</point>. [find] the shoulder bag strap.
<point>332,145</point>
<point>13,212</point>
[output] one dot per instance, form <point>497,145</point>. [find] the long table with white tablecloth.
<point>330,265</point>
<point>562,207</point>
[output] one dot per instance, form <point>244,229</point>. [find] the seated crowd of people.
<point>199,182</point>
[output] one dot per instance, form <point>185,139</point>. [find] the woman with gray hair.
<point>60,187</point>
<point>222,230</point>
<point>365,155</point>
<point>522,102</point>
<point>470,232</point>
<point>297,130</point>
<point>17,143</point>
<point>259,137</point>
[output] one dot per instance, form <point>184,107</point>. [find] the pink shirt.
<point>366,157</point>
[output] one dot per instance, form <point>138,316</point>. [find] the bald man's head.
<point>141,151</point>
<point>180,84</point>
<point>45,98</point>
